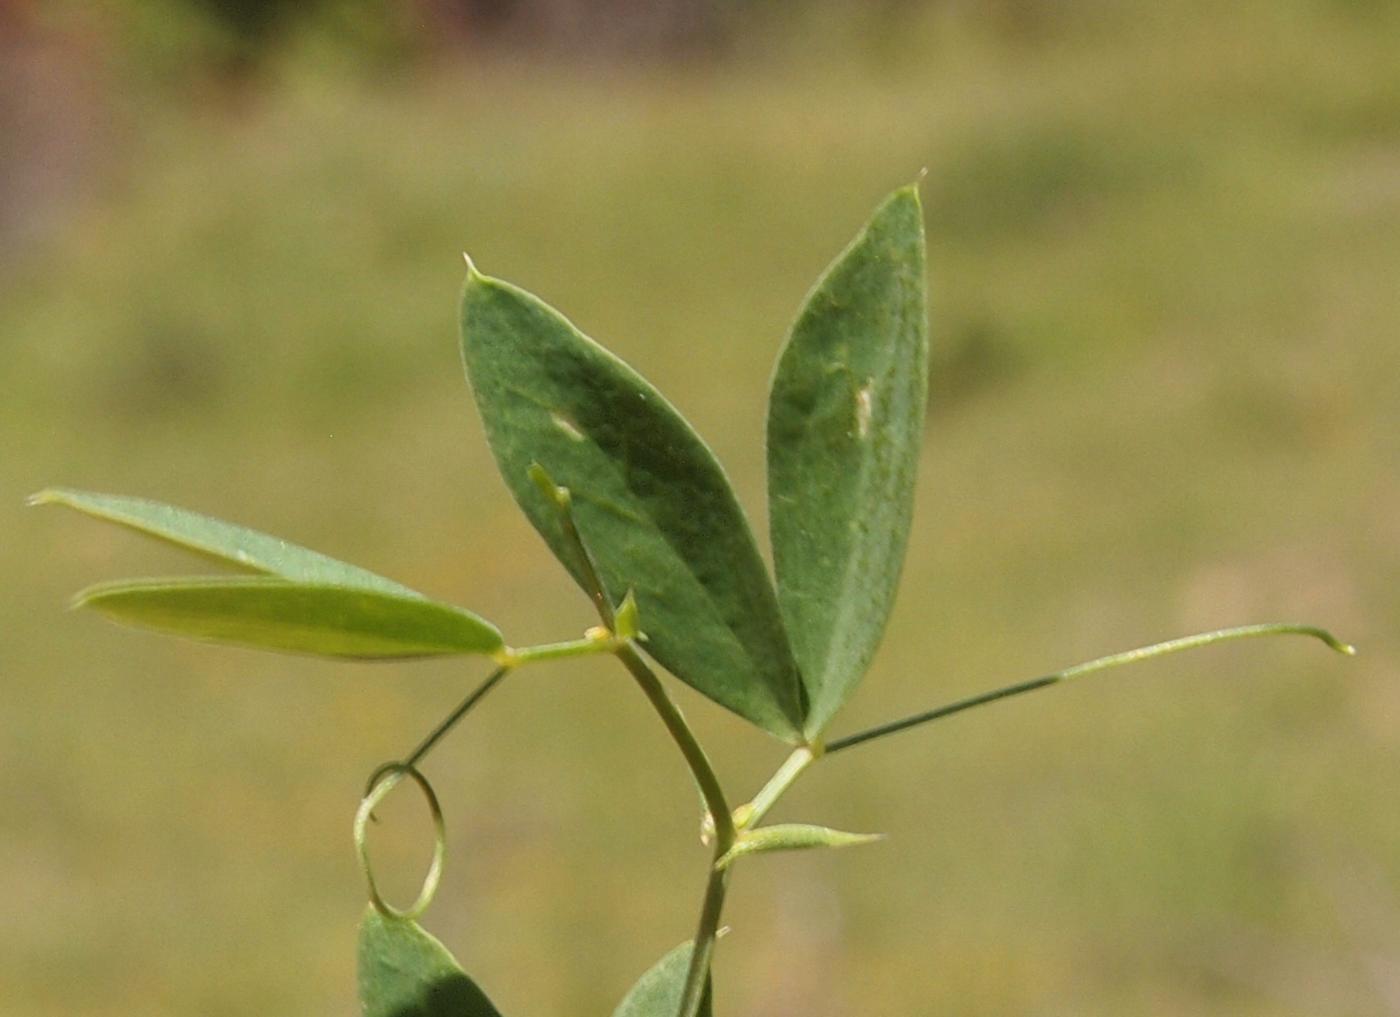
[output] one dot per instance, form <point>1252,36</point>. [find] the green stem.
<point>698,974</point>
<point>681,734</point>
<point>693,993</point>
<point>725,832</point>
<point>1101,664</point>
<point>718,885</point>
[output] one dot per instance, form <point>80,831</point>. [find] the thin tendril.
<point>1102,663</point>
<point>436,735</point>
<point>389,777</point>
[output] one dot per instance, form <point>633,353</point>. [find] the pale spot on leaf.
<point>567,426</point>
<point>864,408</point>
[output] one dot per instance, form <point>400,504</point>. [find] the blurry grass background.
<point>1165,277</point>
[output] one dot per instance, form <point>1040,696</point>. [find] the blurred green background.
<point>1165,276</point>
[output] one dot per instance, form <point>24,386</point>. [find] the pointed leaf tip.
<point>910,192</point>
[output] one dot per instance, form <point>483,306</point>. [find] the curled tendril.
<point>384,780</point>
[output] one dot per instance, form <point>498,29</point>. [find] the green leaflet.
<point>405,972</point>
<point>658,992</point>
<point>225,542</point>
<point>792,837</point>
<point>314,605</point>
<point>648,498</point>
<point>273,614</point>
<point>845,421</point>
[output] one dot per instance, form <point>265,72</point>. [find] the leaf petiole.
<point>783,778</point>
<point>596,640</point>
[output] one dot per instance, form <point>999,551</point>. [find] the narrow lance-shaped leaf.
<point>658,992</point>
<point>272,614</point>
<point>845,421</point>
<point>406,972</point>
<point>648,498</point>
<point>221,541</point>
<point>792,837</point>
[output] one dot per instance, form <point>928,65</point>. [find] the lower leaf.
<point>405,972</point>
<point>658,992</point>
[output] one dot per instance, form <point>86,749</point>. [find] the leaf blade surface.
<point>272,614</point>
<point>845,423</point>
<point>648,497</point>
<point>658,992</point>
<point>404,971</point>
<point>219,540</point>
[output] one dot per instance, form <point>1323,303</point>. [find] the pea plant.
<point>639,512</point>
